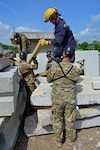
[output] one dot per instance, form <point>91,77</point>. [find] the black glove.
<point>53,56</point>
<point>34,58</point>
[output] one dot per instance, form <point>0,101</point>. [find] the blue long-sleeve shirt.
<point>63,37</point>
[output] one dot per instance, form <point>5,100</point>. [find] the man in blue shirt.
<point>63,34</point>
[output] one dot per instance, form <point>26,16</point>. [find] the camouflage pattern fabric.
<point>28,74</point>
<point>24,45</point>
<point>49,64</point>
<point>63,108</point>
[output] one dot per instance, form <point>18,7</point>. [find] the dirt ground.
<point>88,139</point>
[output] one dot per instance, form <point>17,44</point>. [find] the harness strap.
<point>65,75</point>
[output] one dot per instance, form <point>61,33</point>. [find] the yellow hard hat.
<point>49,13</point>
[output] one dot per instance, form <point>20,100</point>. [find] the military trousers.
<point>63,115</point>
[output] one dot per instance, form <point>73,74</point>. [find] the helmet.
<point>22,55</point>
<point>48,54</point>
<point>12,53</point>
<point>68,50</point>
<point>49,13</point>
<point>16,35</point>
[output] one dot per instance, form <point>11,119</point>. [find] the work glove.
<point>33,58</point>
<point>42,74</point>
<point>53,56</point>
<point>43,42</point>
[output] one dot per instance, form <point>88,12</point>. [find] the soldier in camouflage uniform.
<point>22,42</point>
<point>27,73</point>
<point>64,77</point>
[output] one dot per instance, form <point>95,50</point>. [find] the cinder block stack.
<point>12,104</point>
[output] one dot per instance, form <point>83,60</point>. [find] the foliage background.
<point>95,45</point>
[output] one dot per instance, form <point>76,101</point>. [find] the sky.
<point>83,17</point>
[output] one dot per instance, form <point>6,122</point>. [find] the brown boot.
<point>58,144</point>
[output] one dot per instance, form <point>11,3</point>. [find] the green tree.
<point>84,46</point>
<point>8,47</point>
<point>96,45</point>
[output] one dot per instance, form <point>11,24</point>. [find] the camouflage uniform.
<point>63,99</point>
<point>28,74</point>
<point>24,44</point>
<point>49,64</point>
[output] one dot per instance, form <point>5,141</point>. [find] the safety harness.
<point>64,75</point>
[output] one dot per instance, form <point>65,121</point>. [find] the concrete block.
<point>7,105</point>
<point>96,83</point>
<point>91,64</point>
<point>10,129</point>
<point>32,127</point>
<point>44,117</point>
<point>47,89</point>
<point>38,98</point>
<point>9,81</point>
<point>4,62</point>
<point>43,79</point>
<point>85,94</point>
<point>88,112</point>
<point>87,123</point>
<point>35,35</point>
<point>83,113</point>
<point>9,90</point>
